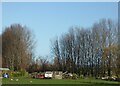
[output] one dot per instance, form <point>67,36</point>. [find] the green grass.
<point>81,82</point>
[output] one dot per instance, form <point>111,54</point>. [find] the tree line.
<point>93,51</point>
<point>90,51</point>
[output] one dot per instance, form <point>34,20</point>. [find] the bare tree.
<point>17,47</point>
<point>89,52</point>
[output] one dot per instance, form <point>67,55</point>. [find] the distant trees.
<point>40,64</point>
<point>17,47</point>
<point>90,52</point>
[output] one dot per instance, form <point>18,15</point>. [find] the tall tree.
<point>90,52</point>
<point>17,47</point>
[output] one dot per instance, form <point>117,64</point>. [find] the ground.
<point>63,82</point>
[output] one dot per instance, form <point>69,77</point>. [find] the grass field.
<point>81,82</point>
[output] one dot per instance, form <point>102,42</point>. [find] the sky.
<point>47,20</point>
<point>60,0</point>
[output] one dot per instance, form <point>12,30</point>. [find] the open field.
<point>80,82</point>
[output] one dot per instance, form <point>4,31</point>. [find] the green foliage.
<point>75,76</point>
<point>81,77</point>
<point>18,73</point>
<point>23,73</point>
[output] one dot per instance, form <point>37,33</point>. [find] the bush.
<point>19,73</point>
<point>75,76</point>
<point>15,74</point>
<point>23,73</point>
<point>81,76</point>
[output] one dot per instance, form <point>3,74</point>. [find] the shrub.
<point>19,73</point>
<point>23,73</point>
<point>16,74</point>
<point>81,76</point>
<point>75,76</point>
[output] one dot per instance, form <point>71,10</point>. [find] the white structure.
<point>54,74</point>
<point>4,69</point>
<point>48,74</point>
